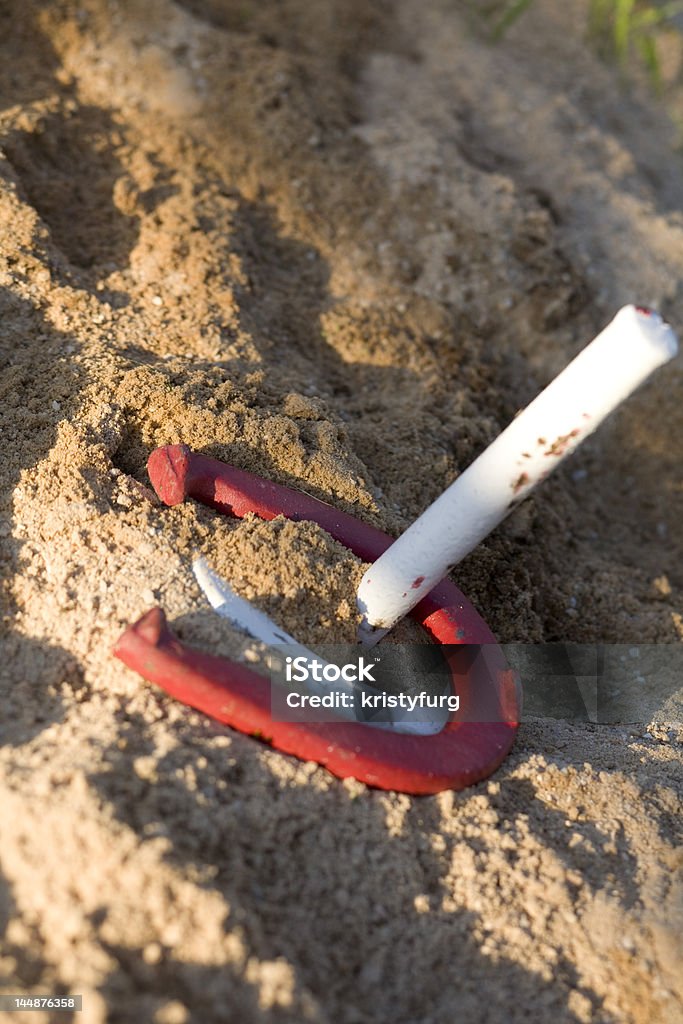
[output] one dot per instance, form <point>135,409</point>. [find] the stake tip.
<point>369,635</point>
<point>652,324</point>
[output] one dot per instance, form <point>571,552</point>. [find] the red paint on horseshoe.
<point>463,753</point>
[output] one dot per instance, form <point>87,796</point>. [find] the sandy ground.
<point>337,243</point>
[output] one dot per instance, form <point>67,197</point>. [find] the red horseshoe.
<point>462,753</point>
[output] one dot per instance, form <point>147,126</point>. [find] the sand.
<point>338,244</point>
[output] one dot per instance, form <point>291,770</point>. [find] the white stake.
<point>629,349</point>
<point>240,612</point>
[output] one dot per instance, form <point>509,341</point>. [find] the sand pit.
<point>338,244</point>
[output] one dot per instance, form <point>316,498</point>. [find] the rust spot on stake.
<point>560,444</point>
<point>521,480</point>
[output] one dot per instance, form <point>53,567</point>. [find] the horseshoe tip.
<point>168,469</point>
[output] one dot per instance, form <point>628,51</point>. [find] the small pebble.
<point>152,953</point>
<point>171,1013</point>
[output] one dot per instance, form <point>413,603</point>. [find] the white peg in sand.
<point>622,356</point>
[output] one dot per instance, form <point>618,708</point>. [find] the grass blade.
<point>655,16</point>
<point>623,17</point>
<point>648,51</point>
<point>510,16</point>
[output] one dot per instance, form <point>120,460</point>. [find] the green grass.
<point>620,30</point>
<point>509,16</point>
